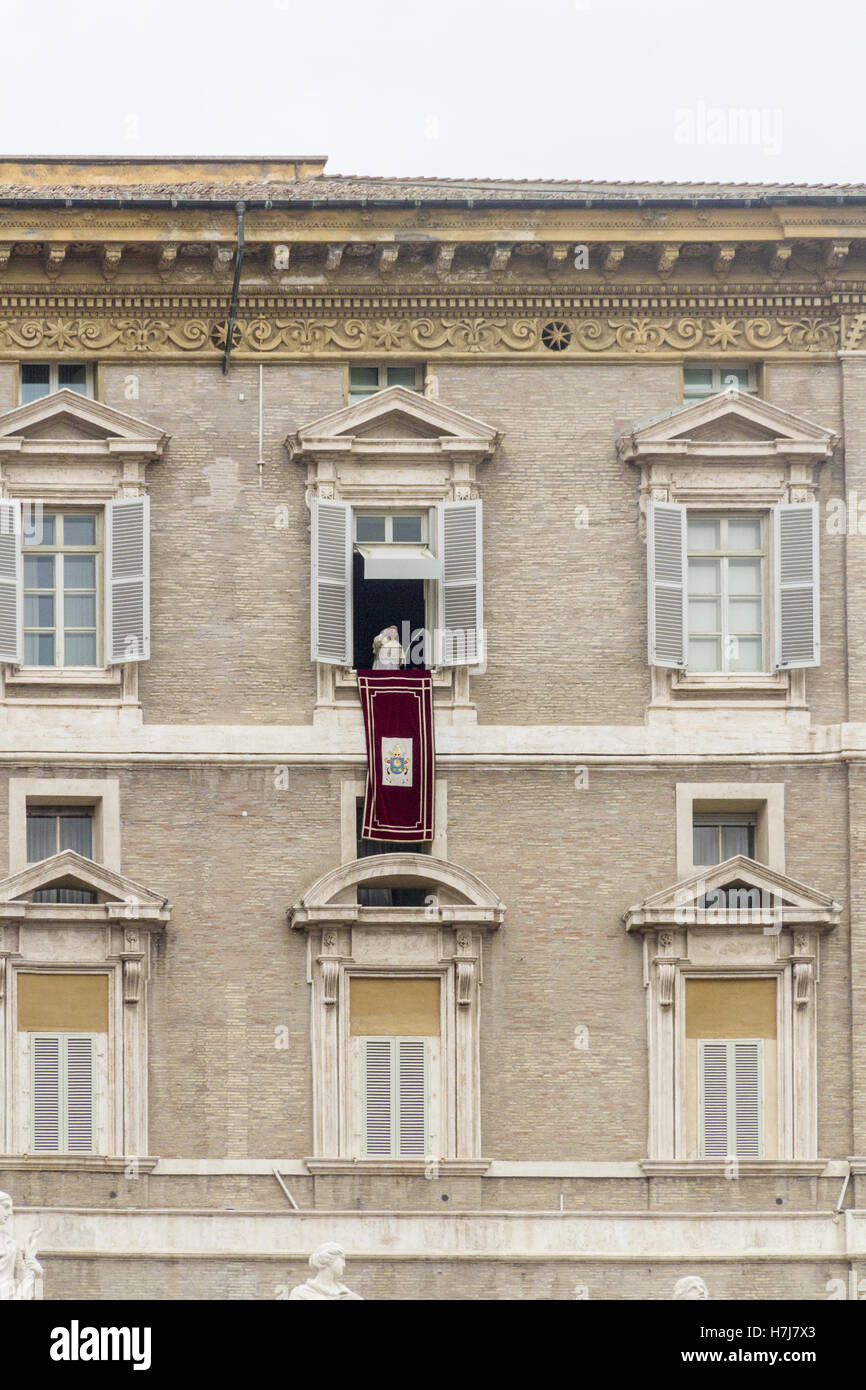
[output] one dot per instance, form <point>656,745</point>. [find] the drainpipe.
<point>236,284</point>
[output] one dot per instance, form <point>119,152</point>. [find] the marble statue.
<point>20,1271</point>
<point>327,1264</point>
<point>388,655</point>
<point>690,1287</point>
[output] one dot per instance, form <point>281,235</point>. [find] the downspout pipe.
<point>236,284</point>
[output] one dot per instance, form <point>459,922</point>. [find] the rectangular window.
<point>51,829</point>
<point>62,581</point>
<point>62,1092</point>
<point>726,593</point>
<point>395,1097</point>
<point>718,836</point>
<point>699,382</point>
<point>41,378</point>
<point>389,896</point>
<point>393,572</point>
<point>730,1097</point>
<point>368,379</point>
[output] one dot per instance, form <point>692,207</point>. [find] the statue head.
<point>690,1287</point>
<point>329,1256</point>
<point>5,1208</point>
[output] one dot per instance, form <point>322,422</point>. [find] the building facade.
<point>607,446</point>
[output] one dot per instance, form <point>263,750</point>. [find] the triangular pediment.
<point>739,886</point>
<point>395,414</point>
<point>730,418</point>
<point>71,870</point>
<point>68,418</point>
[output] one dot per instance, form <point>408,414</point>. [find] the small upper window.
<point>61,584</point>
<point>41,378</point>
<point>726,593</point>
<point>718,836</point>
<point>367,380</point>
<point>708,381</point>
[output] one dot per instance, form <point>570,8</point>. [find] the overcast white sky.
<point>586,89</point>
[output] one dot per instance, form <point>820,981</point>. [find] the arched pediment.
<point>455,893</point>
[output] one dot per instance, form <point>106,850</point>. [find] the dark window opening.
<point>717,837</point>
<point>381,603</point>
<point>387,897</point>
<point>64,895</point>
<point>52,829</point>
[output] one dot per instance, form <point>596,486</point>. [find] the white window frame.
<point>57,550</point>
<point>720,370</point>
<point>54,380</point>
<point>724,555</point>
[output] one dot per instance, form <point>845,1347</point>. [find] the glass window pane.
<point>73,376</point>
<point>369,528</point>
<point>80,649</point>
<point>705,654</point>
<point>697,381</point>
<point>401,376</point>
<point>744,534</point>
<point>79,571</point>
<point>704,615</point>
<point>406,528</point>
<point>38,571</point>
<point>744,576</point>
<point>736,839</point>
<point>39,649</point>
<point>746,654</point>
<point>35,381</point>
<point>41,837</point>
<point>79,610</point>
<point>704,535</point>
<point>735,376</point>
<point>79,530</point>
<point>37,527</point>
<point>705,844</point>
<point>38,610</point>
<point>744,615</point>
<point>704,577</point>
<point>76,832</point>
<point>364,377</point>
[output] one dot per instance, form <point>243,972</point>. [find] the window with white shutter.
<point>395,1097</point>
<point>63,1067</point>
<point>127,587</point>
<point>797,596</point>
<point>331,586</point>
<point>460,619</point>
<point>730,1097</point>
<point>666,583</point>
<point>10,581</point>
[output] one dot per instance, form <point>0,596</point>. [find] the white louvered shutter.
<point>79,1094</point>
<point>714,1099</point>
<point>331,582</point>
<point>62,1090</point>
<point>460,634</point>
<point>45,1092</point>
<point>412,1097</point>
<point>747,1099</point>
<point>127,580</point>
<point>667,569</point>
<point>10,581</point>
<point>378,1096</point>
<point>797,592</point>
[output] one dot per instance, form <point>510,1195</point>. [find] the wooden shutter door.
<point>797,585</point>
<point>412,1097</point>
<point>667,567</point>
<point>127,580</point>
<point>460,625</point>
<point>747,1099</point>
<point>10,581</point>
<point>714,1099</point>
<point>331,582</point>
<point>378,1095</point>
<point>45,1093</point>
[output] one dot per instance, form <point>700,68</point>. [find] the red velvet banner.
<point>398,720</point>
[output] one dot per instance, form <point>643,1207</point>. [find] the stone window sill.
<point>65,675</point>
<point>67,1163</point>
<point>407,1167</point>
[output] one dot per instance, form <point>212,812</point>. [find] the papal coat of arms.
<point>396,762</point>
